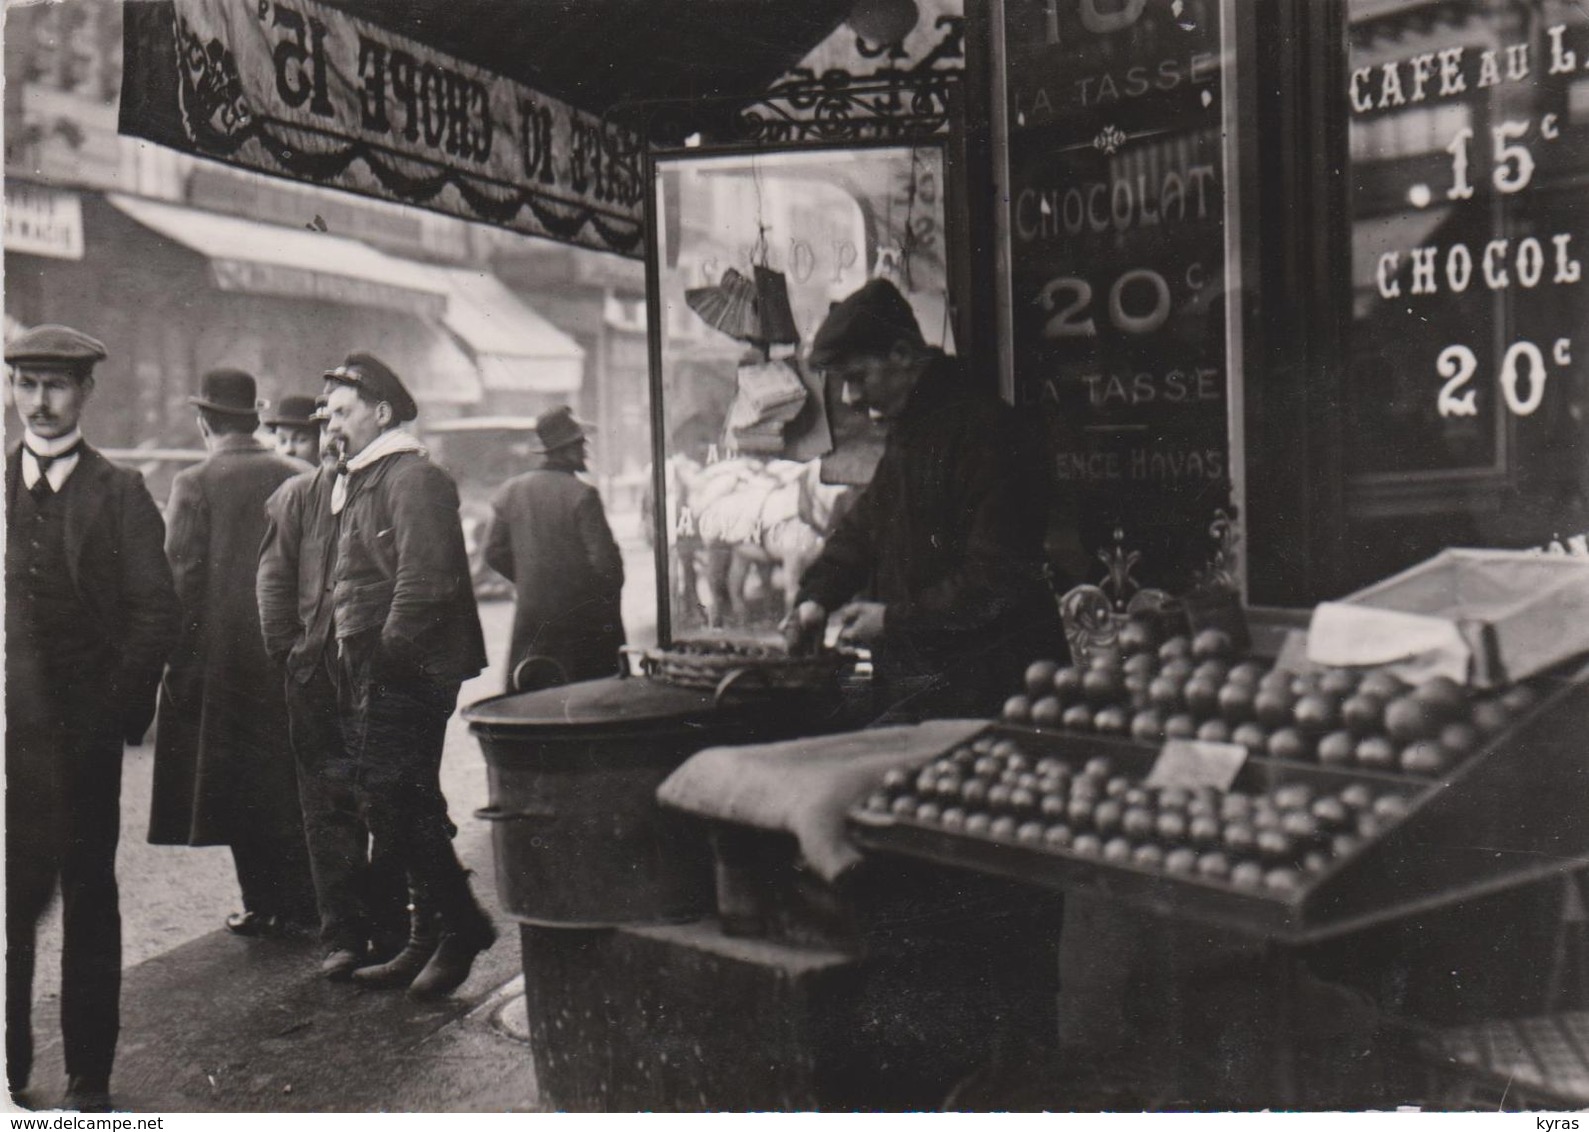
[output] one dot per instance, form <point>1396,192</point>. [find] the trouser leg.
<point>91,924</point>
<point>402,730</point>
<point>30,879</point>
<point>337,840</point>
<point>33,837</point>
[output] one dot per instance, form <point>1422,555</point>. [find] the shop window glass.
<point>761,455</point>
<point>1468,372</point>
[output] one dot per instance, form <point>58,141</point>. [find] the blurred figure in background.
<point>223,771</point>
<point>549,537</point>
<point>90,617</point>
<point>295,423</point>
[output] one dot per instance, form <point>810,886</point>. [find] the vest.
<point>45,621</point>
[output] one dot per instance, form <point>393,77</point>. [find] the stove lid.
<point>614,703</point>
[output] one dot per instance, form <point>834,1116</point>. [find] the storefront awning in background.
<point>268,259</point>
<point>514,348</point>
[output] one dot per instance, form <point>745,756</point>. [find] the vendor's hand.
<point>861,623</point>
<point>802,629</point>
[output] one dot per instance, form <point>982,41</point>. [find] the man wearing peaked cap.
<point>90,617</point>
<point>375,380</point>
<point>357,898</point>
<point>407,635</point>
<point>223,769</point>
<point>549,537</point>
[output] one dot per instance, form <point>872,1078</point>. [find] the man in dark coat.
<point>90,616</point>
<point>223,771</point>
<point>360,900</point>
<point>938,567</point>
<point>407,635</point>
<point>549,537</point>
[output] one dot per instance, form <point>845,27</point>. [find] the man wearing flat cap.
<point>223,770</point>
<point>938,567</point>
<point>90,617</point>
<point>549,537</point>
<point>407,635</point>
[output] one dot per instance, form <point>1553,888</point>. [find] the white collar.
<point>39,446</point>
<point>61,467</point>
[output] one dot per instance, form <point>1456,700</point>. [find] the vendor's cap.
<point>229,391</point>
<point>55,345</point>
<point>376,379</point>
<point>868,322</point>
<point>294,411</point>
<point>558,428</point>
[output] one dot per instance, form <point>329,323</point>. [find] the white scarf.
<point>389,443</point>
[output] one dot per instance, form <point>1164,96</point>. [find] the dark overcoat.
<point>549,537</point>
<point>223,761</point>
<point>401,573</point>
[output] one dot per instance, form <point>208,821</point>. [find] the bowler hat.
<point>557,428</point>
<point>227,391</point>
<point>368,373</point>
<point>52,344</point>
<point>295,411</point>
<point>868,322</point>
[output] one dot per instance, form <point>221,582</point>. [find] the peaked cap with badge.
<point>373,376</point>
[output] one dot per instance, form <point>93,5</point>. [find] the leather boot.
<point>424,933</point>
<point>465,932</point>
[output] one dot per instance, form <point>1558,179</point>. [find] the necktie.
<point>42,488</point>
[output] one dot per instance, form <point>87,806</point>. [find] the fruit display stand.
<point>1428,800</point>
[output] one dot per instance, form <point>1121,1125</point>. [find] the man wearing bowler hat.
<point>223,770</point>
<point>90,617</point>
<point>549,537</point>
<point>407,635</point>
<point>938,567</point>
<point>295,423</point>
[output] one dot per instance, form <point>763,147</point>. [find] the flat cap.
<point>376,379</point>
<point>868,322</point>
<point>56,345</point>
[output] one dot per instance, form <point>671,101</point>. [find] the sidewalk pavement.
<point>223,1024</point>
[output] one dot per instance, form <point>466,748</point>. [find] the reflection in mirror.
<point>762,454</point>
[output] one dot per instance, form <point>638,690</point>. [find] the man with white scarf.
<point>407,635</point>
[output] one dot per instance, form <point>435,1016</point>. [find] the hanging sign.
<point>300,90</point>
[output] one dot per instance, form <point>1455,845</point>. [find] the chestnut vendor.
<point>938,567</point>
